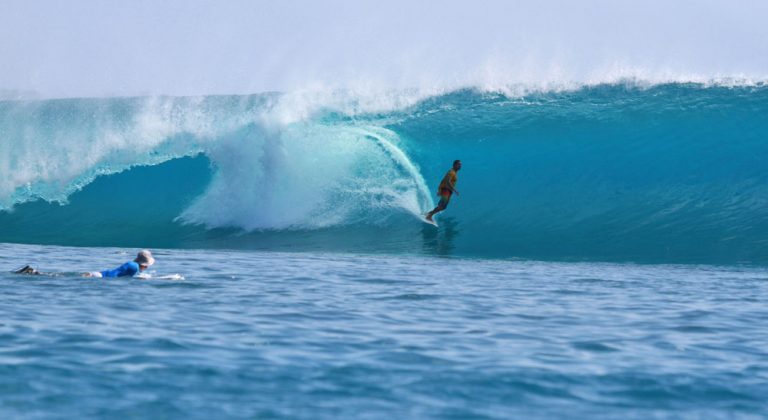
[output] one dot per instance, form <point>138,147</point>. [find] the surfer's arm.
<point>450,179</point>
<point>127,269</point>
<point>450,185</point>
<point>447,183</point>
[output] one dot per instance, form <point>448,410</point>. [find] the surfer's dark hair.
<point>455,162</point>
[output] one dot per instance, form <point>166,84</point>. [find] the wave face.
<point>613,172</point>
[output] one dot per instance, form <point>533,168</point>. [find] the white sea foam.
<point>307,176</point>
<point>275,167</point>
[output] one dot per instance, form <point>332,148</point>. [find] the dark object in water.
<point>26,270</point>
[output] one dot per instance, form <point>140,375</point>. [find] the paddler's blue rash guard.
<point>128,269</point>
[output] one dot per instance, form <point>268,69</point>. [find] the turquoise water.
<point>315,335</point>
<point>606,256</point>
<point>669,173</point>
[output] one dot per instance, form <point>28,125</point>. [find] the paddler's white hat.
<point>145,258</point>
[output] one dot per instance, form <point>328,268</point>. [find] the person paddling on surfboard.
<point>445,190</point>
<point>143,260</point>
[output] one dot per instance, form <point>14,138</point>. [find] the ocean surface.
<point>250,334</point>
<point>606,257</point>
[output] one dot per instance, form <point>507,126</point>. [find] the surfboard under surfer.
<point>445,190</point>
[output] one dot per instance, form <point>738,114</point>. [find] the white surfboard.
<point>429,222</point>
<point>147,276</point>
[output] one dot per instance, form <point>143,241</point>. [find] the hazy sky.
<point>101,47</point>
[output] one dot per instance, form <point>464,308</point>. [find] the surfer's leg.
<point>445,197</point>
<point>434,211</point>
<point>440,207</point>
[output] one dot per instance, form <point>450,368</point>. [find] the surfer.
<point>445,190</point>
<point>27,270</point>
<point>143,260</point>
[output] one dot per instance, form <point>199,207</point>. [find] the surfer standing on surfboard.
<point>446,189</point>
